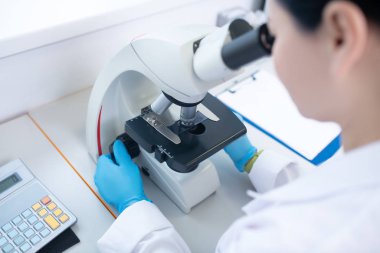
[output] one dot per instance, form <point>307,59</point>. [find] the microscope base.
<point>185,189</point>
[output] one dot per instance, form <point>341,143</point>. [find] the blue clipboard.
<point>266,83</point>
<point>323,156</point>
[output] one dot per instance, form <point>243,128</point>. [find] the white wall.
<point>39,76</point>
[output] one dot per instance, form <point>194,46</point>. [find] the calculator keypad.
<point>23,226</point>
<point>36,206</point>
<point>17,220</point>
<point>32,219</point>
<point>3,241</point>
<point>35,239</point>
<point>28,233</point>
<point>38,226</point>
<point>57,212</point>
<point>12,233</point>
<point>7,248</point>
<point>31,226</point>
<point>18,240</point>
<point>25,247</point>
<point>45,232</point>
<point>26,213</point>
<point>51,206</point>
<point>42,212</point>
<point>7,227</point>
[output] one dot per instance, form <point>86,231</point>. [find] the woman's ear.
<point>347,30</point>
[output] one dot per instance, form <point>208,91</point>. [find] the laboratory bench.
<point>20,138</point>
<point>51,140</point>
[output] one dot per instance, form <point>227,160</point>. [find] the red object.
<point>45,200</point>
<point>98,133</point>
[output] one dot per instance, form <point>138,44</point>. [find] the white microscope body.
<point>137,77</point>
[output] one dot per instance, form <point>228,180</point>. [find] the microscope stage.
<point>197,143</point>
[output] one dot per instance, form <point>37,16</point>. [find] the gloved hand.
<point>120,183</point>
<point>240,151</point>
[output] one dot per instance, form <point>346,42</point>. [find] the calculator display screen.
<point>8,182</point>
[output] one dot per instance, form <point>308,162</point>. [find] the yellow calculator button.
<point>42,212</point>
<point>36,206</point>
<point>64,218</point>
<point>53,223</point>
<point>57,212</point>
<point>51,206</point>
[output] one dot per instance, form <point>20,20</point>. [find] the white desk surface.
<point>20,138</point>
<point>64,122</point>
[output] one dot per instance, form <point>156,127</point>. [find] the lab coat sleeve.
<point>272,170</point>
<point>142,228</point>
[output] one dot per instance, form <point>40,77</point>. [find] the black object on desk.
<point>61,243</point>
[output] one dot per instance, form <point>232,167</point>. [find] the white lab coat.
<point>335,208</point>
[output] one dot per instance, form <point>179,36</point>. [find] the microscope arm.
<point>176,66</point>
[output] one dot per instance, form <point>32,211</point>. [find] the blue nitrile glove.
<point>241,151</point>
<point>120,183</point>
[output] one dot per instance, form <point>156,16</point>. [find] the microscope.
<point>153,96</point>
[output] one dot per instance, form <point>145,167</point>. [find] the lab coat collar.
<point>356,170</point>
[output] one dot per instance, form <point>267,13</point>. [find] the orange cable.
<point>75,170</point>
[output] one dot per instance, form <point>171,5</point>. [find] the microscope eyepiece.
<point>248,47</point>
<point>219,54</point>
<point>266,38</point>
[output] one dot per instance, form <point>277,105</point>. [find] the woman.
<point>327,53</point>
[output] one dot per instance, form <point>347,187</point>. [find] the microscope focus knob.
<point>131,146</point>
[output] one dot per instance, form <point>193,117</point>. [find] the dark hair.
<point>308,13</point>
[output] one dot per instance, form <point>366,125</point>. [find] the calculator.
<point>30,215</point>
